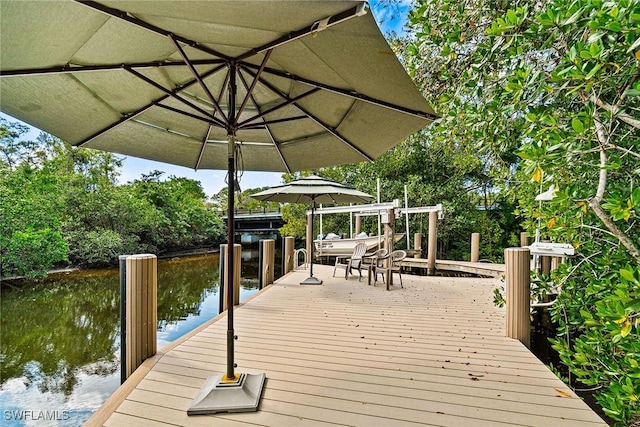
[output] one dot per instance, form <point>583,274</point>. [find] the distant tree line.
<point>61,206</point>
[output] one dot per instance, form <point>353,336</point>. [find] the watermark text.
<point>30,415</point>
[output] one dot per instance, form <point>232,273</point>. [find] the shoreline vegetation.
<point>74,269</point>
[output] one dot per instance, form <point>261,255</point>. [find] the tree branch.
<point>594,203</point>
<point>615,110</point>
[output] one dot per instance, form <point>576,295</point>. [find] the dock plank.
<point>478,268</point>
<point>345,353</point>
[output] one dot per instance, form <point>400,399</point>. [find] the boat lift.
<point>379,209</point>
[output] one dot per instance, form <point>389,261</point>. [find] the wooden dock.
<point>478,268</point>
<point>344,353</point>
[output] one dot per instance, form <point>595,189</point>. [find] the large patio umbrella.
<point>315,190</point>
<point>256,85</point>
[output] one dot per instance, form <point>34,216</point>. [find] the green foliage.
<point>41,248</point>
<point>242,201</point>
<point>31,241</point>
<point>606,351</point>
<point>60,204</point>
<point>547,94</point>
<point>181,218</point>
<point>296,220</point>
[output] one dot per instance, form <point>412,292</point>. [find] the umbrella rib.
<point>122,120</point>
<point>199,79</point>
<point>288,101</point>
<point>251,88</point>
<point>129,116</point>
<point>223,86</point>
<point>193,116</point>
<point>309,29</point>
<point>348,93</point>
<point>335,133</point>
<point>273,140</point>
<point>204,144</point>
<point>318,121</point>
<point>68,69</point>
<point>275,121</point>
<point>119,14</point>
<point>174,95</point>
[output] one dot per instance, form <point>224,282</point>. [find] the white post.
<point>406,213</point>
<point>351,236</point>
<point>379,222</point>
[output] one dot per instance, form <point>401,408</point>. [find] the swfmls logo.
<point>26,415</point>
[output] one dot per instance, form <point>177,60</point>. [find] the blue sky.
<point>389,19</point>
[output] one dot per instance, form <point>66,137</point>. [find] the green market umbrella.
<point>315,190</point>
<point>233,85</point>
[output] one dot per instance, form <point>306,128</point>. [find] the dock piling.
<point>267,252</point>
<point>475,247</point>
<point>224,286</point>
<point>518,289</point>
<point>141,309</point>
<point>417,244</point>
<point>288,256</point>
<point>122,261</point>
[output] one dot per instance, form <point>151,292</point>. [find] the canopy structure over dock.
<point>344,353</point>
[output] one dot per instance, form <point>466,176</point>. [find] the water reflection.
<point>60,338</point>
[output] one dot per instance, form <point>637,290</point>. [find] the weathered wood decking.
<point>345,353</point>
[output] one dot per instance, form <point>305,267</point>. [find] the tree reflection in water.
<point>56,331</point>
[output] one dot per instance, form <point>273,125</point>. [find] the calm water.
<point>60,338</point>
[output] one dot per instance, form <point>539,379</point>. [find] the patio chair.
<point>351,262</point>
<point>372,261</point>
<point>393,267</point>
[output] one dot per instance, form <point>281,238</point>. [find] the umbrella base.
<point>237,396</point>
<point>311,281</point>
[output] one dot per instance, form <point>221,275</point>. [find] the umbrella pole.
<point>229,392</point>
<point>230,376</point>
<point>313,208</point>
<point>311,280</point>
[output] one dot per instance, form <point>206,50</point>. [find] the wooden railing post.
<point>475,247</point>
<point>518,289</point>
<point>224,286</point>
<point>288,255</point>
<point>417,244</point>
<point>524,239</point>
<point>432,244</point>
<point>267,253</point>
<point>358,225</point>
<point>141,309</point>
<point>122,260</point>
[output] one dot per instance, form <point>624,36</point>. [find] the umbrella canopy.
<point>256,85</point>
<point>299,84</point>
<point>315,190</point>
